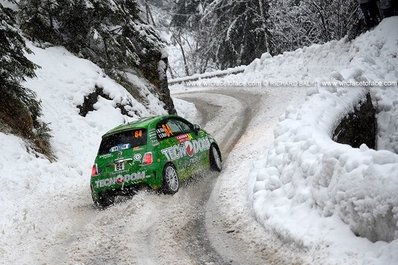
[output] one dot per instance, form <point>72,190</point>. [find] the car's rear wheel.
<point>105,199</point>
<point>171,183</point>
<point>215,158</point>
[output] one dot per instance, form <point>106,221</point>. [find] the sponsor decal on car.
<point>164,131</point>
<point>137,157</point>
<point>187,148</point>
<point>119,179</point>
<point>137,148</point>
<point>153,137</point>
<point>184,137</point>
<point>119,147</point>
<point>138,134</point>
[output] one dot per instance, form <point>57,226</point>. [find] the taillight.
<point>94,171</point>
<point>148,158</point>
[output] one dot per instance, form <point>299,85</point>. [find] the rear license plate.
<point>119,166</point>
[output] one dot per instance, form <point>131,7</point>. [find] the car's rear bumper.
<point>124,184</point>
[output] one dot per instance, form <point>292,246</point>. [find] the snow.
<point>387,102</point>
<point>9,4</point>
<point>187,110</point>
<point>337,202</point>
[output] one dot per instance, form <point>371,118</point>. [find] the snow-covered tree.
<point>19,108</point>
<point>236,32</point>
<point>185,27</point>
<point>302,23</point>
<point>14,65</point>
<point>187,13</point>
<point>105,31</point>
<point>38,19</point>
<point>230,33</point>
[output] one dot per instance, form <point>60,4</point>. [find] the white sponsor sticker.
<point>119,179</point>
<point>188,148</point>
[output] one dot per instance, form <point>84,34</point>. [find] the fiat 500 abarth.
<point>158,152</point>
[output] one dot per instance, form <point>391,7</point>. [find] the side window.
<point>184,127</point>
<point>172,127</point>
<point>175,127</point>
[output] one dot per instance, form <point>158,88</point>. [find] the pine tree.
<point>14,66</point>
<point>38,19</point>
<point>19,108</point>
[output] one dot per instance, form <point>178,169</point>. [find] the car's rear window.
<point>122,141</point>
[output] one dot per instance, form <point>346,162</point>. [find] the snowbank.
<point>370,57</point>
<point>387,105</point>
<point>319,192</point>
<point>305,167</point>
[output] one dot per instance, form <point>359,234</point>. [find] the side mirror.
<point>196,128</point>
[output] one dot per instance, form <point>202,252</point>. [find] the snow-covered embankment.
<point>326,194</point>
<point>305,168</point>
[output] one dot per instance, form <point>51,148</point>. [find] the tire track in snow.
<point>240,239</point>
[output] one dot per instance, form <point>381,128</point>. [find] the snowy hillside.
<point>304,187</point>
<point>30,184</point>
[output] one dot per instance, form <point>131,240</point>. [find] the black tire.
<point>105,200</point>
<point>171,183</point>
<point>215,158</point>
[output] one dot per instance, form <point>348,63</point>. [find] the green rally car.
<point>158,152</point>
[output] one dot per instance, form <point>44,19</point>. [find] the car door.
<point>176,144</point>
<point>170,148</point>
<point>191,142</point>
